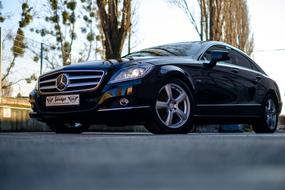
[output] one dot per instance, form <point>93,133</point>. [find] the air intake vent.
<point>70,81</point>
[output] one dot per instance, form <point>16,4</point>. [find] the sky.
<point>159,23</point>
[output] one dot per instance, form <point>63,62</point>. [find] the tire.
<point>268,123</point>
<point>67,128</point>
<point>172,110</point>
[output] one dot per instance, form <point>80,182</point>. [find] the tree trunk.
<point>115,30</point>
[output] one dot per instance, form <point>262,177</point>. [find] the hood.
<point>100,64</point>
<point>114,65</point>
<point>106,65</point>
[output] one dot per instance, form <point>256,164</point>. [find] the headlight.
<point>131,73</point>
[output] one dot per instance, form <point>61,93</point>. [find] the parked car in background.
<point>167,88</point>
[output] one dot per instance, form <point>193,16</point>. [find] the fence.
<point>14,116</point>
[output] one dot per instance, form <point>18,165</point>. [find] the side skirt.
<point>227,114</point>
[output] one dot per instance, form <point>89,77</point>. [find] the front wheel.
<point>68,128</point>
<point>269,122</point>
<point>173,109</point>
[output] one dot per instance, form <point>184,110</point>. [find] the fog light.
<point>124,101</point>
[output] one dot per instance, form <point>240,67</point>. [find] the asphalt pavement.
<point>141,161</point>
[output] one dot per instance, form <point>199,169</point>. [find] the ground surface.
<point>44,161</point>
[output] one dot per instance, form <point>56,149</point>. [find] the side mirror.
<point>217,56</point>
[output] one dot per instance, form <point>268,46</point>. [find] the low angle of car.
<point>168,89</point>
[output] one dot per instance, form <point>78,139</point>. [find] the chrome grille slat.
<point>48,87</point>
<point>84,77</point>
<point>83,84</point>
<point>79,80</point>
<point>47,81</point>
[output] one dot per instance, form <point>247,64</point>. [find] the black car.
<point>166,88</point>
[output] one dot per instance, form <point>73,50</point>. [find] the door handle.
<point>199,81</point>
<point>258,77</point>
<point>235,70</point>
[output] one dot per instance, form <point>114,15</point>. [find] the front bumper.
<point>103,105</point>
<point>122,116</point>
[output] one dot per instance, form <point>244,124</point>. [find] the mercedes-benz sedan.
<point>167,88</point>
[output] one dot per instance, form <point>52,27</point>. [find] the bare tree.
<point>69,32</point>
<point>237,31</point>
<point>61,16</point>
<point>131,41</point>
<point>90,16</point>
<point>220,20</point>
<point>18,49</point>
<point>115,23</point>
<point>6,89</point>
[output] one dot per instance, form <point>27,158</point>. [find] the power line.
<point>268,50</point>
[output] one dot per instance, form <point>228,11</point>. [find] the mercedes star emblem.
<point>62,82</point>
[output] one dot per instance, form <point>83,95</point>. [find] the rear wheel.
<point>72,128</point>
<point>172,112</point>
<point>269,122</point>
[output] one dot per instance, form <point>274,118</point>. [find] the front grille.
<point>79,80</point>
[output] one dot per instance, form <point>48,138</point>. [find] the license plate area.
<point>63,100</point>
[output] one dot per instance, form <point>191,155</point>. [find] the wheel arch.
<point>276,98</point>
<point>273,93</point>
<point>171,71</point>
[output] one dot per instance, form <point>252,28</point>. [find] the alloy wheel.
<point>271,114</point>
<point>173,106</point>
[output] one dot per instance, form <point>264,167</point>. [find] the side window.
<point>239,60</point>
<point>207,54</point>
<point>256,67</point>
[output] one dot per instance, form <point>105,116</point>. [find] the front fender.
<point>171,71</point>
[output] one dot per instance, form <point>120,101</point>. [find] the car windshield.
<point>178,49</point>
<point>149,53</point>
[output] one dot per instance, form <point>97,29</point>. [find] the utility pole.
<point>0,62</point>
<point>42,58</point>
<point>1,46</point>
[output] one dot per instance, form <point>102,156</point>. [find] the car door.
<point>226,87</point>
<point>251,80</point>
